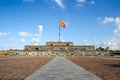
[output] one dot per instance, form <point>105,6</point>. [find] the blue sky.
<point>34,22</point>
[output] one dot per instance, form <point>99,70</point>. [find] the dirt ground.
<point>107,68</point>
<point>17,68</point>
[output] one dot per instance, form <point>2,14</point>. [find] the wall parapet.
<point>57,53</point>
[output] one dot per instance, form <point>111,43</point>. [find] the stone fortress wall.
<point>57,49</point>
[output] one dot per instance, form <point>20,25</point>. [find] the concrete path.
<point>62,69</point>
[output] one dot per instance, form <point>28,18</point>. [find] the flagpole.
<point>59,35</point>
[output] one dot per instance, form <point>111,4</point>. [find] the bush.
<point>115,52</point>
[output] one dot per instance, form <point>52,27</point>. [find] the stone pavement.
<point>62,69</point>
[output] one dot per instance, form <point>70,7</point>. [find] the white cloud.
<point>79,5</point>
<point>22,40</point>
<point>35,37</point>
<point>59,2</point>
<point>85,42</point>
<point>3,34</point>
<point>99,18</point>
<point>117,21</point>
<point>114,43</point>
<point>40,30</point>
<point>35,41</point>
<point>108,20</point>
<point>81,1</point>
<point>92,2</point>
<point>117,32</point>
<point>40,27</point>
<point>24,34</point>
<point>28,0</point>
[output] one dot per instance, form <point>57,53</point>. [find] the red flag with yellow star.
<point>62,24</point>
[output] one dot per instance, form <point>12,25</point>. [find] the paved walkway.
<point>62,69</point>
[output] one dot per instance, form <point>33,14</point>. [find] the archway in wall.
<point>36,49</point>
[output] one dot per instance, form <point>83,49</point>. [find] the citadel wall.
<point>57,49</point>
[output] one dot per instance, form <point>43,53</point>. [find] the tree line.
<point>112,52</point>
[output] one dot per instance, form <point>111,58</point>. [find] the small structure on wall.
<point>59,46</point>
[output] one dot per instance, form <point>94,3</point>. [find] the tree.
<point>100,49</point>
